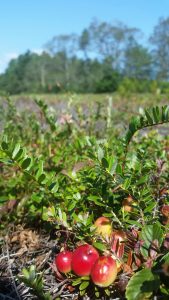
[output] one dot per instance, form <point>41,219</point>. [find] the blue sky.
<point>29,24</point>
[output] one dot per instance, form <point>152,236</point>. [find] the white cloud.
<point>37,51</point>
<point>5,59</point>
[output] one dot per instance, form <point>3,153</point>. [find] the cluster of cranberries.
<point>85,261</point>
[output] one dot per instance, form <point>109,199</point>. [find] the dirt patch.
<point>20,248</point>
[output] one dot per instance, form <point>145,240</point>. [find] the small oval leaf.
<point>26,163</point>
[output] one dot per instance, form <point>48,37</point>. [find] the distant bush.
<point>109,83</point>
<point>132,85</point>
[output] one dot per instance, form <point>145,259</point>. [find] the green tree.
<point>14,80</point>
<point>84,42</point>
<point>137,61</point>
<point>109,41</point>
<point>66,43</point>
<point>160,41</point>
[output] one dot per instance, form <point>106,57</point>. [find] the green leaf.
<point>126,183</point>
<point>4,146</point>
<point>149,118</point>
<point>40,169</point>
<point>165,292</point>
<point>100,154</point>
<point>97,294</point>
<point>128,137</point>
<point>72,205</point>
<point>105,163</point>
<point>6,161</point>
<point>26,163</point>
<point>119,169</point>
<point>96,200</point>
<point>99,246</point>
<point>107,291</point>
<point>82,292</point>
<point>41,178</point>
<point>25,273</point>
<point>132,127</point>
<point>142,180</point>
<point>19,154</point>
<point>112,165</point>
<point>32,273</point>
<point>149,208</point>
<point>76,282</point>
<point>54,187</point>
<point>15,150</point>
<point>84,285</point>
<point>166,113</point>
<point>148,234</point>
<point>165,258</point>
<point>133,222</point>
<point>85,278</point>
<point>155,114</point>
<point>142,285</point>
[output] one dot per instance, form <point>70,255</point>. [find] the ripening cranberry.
<point>63,261</point>
<point>103,226</point>
<point>128,204</point>
<point>165,214</point>
<point>104,271</point>
<point>165,210</point>
<point>83,259</point>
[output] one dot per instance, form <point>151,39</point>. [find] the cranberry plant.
<point>64,176</point>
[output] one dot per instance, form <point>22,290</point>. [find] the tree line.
<point>105,57</point>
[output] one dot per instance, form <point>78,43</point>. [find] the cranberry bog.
<point>91,173</point>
